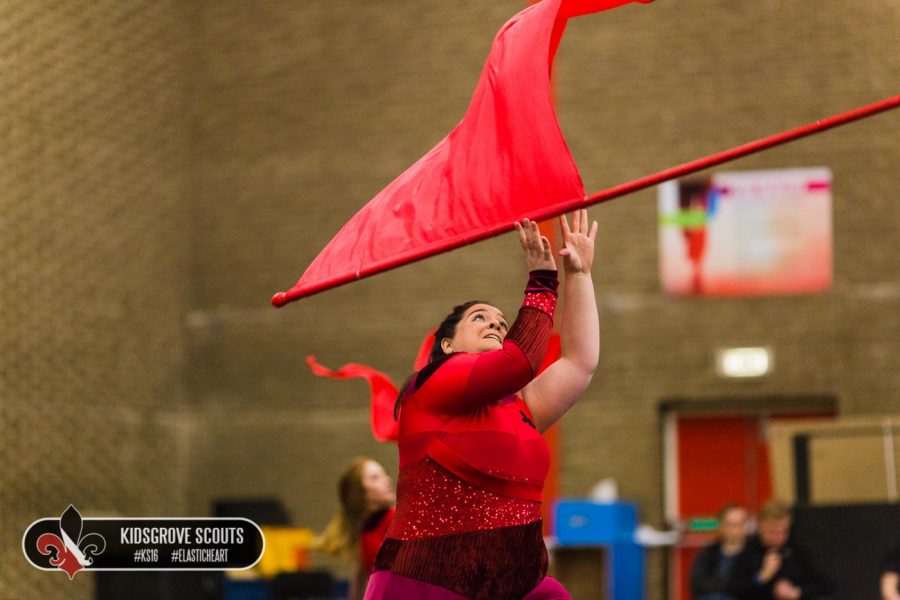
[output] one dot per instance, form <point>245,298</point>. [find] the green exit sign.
<point>703,524</point>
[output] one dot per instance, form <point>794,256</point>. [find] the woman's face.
<point>481,329</point>
<point>378,485</point>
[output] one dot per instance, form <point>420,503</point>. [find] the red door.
<point>717,459</point>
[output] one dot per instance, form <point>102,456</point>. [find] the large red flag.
<point>504,161</point>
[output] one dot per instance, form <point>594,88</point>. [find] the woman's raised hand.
<point>538,255</point>
<point>578,244</point>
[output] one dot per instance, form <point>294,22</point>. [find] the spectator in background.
<point>712,569</point>
<point>771,566</point>
<point>366,508</point>
<point>890,575</point>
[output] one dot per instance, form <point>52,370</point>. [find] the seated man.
<point>711,571</point>
<point>771,568</point>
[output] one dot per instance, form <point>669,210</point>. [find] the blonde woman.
<point>366,496</point>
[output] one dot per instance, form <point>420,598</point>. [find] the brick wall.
<point>171,165</point>
<point>94,131</point>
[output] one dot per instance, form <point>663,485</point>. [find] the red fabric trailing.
<point>506,160</point>
<point>382,390</point>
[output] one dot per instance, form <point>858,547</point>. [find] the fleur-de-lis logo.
<point>71,552</point>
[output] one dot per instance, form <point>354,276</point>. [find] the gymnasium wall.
<point>94,268</point>
<point>168,166</point>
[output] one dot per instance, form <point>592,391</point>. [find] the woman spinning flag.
<point>472,459</point>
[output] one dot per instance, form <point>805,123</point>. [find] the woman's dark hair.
<point>447,329</point>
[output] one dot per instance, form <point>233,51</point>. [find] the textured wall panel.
<point>93,268</point>
<point>305,110</point>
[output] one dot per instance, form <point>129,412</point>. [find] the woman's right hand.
<point>538,254</point>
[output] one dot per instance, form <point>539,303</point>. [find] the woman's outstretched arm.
<point>557,389</point>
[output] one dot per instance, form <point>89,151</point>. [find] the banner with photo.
<point>746,233</point>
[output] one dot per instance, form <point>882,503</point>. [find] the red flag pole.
<point>687,168</point>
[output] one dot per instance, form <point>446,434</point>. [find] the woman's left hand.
<point>578,250</point>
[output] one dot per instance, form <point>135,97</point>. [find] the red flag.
<point>382,391</point>
<point>504,161</point>
<point>384,394</point>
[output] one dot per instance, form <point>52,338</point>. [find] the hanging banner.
<point>746,233</point>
